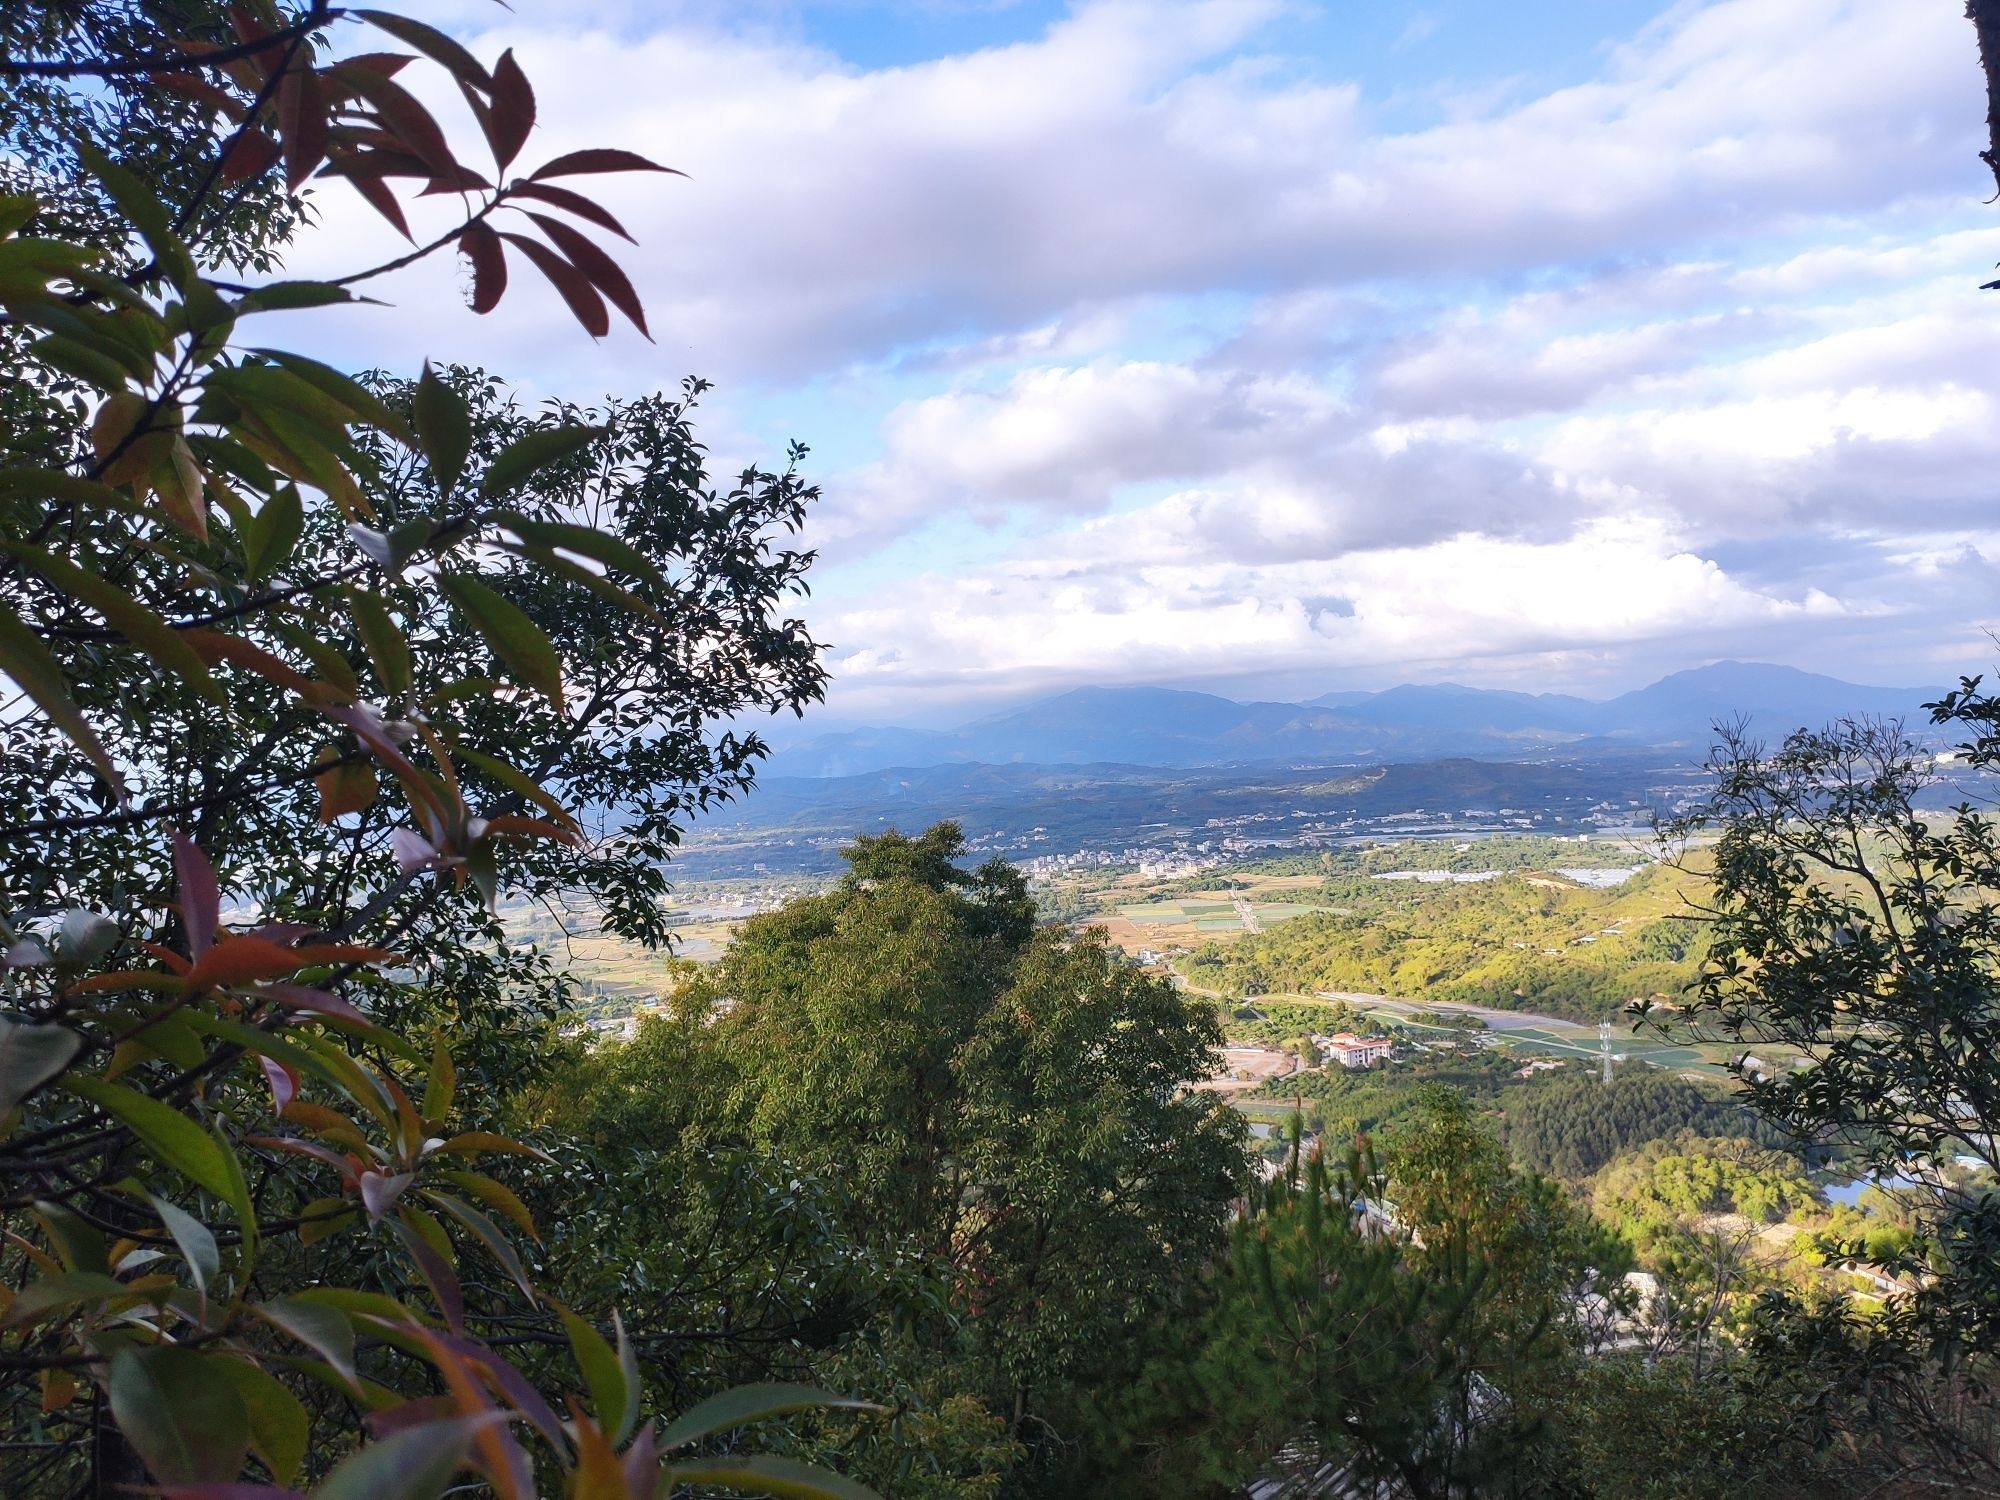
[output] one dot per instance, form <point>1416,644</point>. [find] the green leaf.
<point>280,1430</point>
<point>516,640</point>
<point>387,646</point>
<point>628,1361</point>
<point>488,1233</point>
<point>144,210</point>
<point>764,1474</point>
<point>29,1057</point>
<point>414,1464</point>
<point>73,357</point>
<point>521,459</point>
<point>440,1084</point>
<point>124,614</point>
<point>236,1194</point>
<point>272,533</point>
<point>197,1245</point>
<point>324,1330</point>
<point>444,424</point>
<point>284,296</point>
<point>24,658</point>
<point>515,780</point>
<point>171,1135</point>
<point>744,1404</point>
<point>603,1372</point>
<point>365,405</point>
<point>585,541</point>
<point>63,1290</point>
<point>189,1426</point>
<point>16,209</point>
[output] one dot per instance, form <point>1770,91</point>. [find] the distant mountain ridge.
<point>1155,726</point>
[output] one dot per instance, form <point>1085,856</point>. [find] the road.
<point>1496,1020</point>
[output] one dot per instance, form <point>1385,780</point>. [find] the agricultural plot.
<point>1208,916</point>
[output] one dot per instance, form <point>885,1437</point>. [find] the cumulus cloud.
<point>834,215</point>
<point>1686,352</point>
<point>1467,602</point>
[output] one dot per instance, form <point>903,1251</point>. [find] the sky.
<point>1271,347</point>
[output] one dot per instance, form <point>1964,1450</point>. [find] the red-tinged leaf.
<point>388,64</point>
<point>175,962</point>
<point>107,984</point>
<point>472,1142</point>
<point>436,1270</point>
<point>598,159</point>
<point>296,1147</point>
<point>482,248</point>
<point>506,1382</point>
<point>370,153</point>
<point>283,1081</point>
<point>464,180</point>
<point>394,1419</point>
<point>598,1474</point>
<point>567,279</point>
<point>232,1491</point>
<point>399,112</point>
<point>242,960</point>
<point>380,1190</point>
<point>381,199</point>
<point>319,1002</point>
<point>423,791</point>
<point>197,893</point>
<point>603,271</point>
<point>249,29</point>
<point>513,112</point>
<point>188,86</point>
<point>213,646</point>
<point>345,788</point>
<point>433,43</point>
<point>642,1462</point>
<point>570,202</point>
<point>330,1123</point>
<point>302,123</point>
<point>251,153</point>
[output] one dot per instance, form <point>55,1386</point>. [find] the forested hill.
<point>1528,940</point>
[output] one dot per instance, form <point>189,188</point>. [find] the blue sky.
<point>1271,347</point>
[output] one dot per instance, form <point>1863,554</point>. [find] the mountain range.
<point>1156,726</point>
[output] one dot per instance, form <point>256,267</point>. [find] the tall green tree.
<point>1010,1105</point>
<point>1407,1327</point>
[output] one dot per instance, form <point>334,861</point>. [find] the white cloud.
<point>1678,353</point>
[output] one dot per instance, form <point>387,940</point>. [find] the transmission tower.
<point>1604,1048</point>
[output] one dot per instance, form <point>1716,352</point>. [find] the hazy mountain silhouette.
<point>1156,726</point>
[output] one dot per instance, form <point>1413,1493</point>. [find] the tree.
<point>1404,1327</point>
<point>1006,1104</point>
<point>304,671</point>
<point>1854,928</point>
<point>1857,933</point>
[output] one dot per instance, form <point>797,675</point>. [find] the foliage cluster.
<point>998,1185</point>
<point>302,670</point>
<point>1569,1124</point>
<point>1515,942</point>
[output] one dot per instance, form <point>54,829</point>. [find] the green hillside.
<point>1520,940</point>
